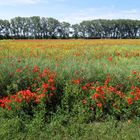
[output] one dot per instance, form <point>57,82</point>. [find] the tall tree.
<point>37,28</point>
<point>64,30</point>
<point>53,26</point>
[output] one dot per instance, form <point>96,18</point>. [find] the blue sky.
<point>72,11</point>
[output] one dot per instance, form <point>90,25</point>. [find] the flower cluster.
<point>40,90</point>
<point>21,97</point>
<point>110,99</point>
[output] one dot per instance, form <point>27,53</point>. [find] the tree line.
<point>49,28</point>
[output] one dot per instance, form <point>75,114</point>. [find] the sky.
<point>73,11</point>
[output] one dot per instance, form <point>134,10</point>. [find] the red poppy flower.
<point>84,101</point>
<point>129,101</point>
<point>99,105</point>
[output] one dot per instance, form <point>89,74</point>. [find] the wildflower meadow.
<point>69,89</point>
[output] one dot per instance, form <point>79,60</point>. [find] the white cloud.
<point>55,9</point>
<point>18,2</point>
<point>100,13</point>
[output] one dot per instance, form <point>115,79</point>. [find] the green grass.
<point>64,127</point>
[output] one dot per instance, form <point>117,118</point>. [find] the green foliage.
<point>43,28</point>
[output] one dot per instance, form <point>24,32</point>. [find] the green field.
<point>69,89</point>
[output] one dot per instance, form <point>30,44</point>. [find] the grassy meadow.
<point>70,89</point>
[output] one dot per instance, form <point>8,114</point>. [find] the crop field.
<point>70,89</point>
